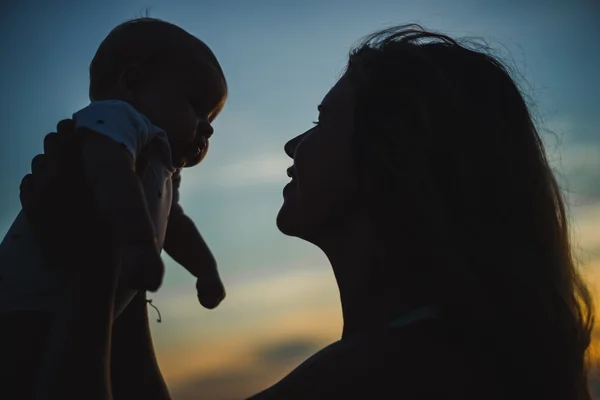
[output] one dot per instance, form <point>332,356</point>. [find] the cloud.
<point>286,352</point>
<point>226,385</point>
<point>259,169</point>
<point>305,283</point>
<point>585,231</point>
<point>269,364</point>
<point>255,170</point>
<point>274,320</point>
<point>573,149</point>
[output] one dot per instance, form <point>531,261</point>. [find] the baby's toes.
<point>145,269</point>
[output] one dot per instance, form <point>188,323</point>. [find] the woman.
<point>427,186</point>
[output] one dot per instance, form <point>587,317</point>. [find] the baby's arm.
<point>109,167</point>
<point>119,195</point>
<point>185,245</point>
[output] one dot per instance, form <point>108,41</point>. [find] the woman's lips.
<point>290,172</point>
<point>289,186</point>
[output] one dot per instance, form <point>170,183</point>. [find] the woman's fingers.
<point>52,146</point>
<point>39,165</point>
<point>52,153</point>
<point>37,213</point>
<point>65,128</point>
<point>29,195</point>
<point>43,180</point>
<point>65,149</point>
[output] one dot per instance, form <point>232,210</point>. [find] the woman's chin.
<point>285,219</point>
<point>291,221</point>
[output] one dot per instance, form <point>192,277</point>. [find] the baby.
<point>155,89</point>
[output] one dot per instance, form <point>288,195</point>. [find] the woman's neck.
<point>358,295</point>
<point>369,298</point>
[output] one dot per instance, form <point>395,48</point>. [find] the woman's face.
<point>323,187</point>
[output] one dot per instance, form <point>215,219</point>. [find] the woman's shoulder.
<point>425,360</point>
<point>418,361</point>
<point>431,361</point>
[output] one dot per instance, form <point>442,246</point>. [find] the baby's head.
<point>168,75</point>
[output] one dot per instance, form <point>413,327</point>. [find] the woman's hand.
<point>59,208</point>
<point>59,205</point>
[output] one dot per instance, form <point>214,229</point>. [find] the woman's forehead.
<point>341,97</point>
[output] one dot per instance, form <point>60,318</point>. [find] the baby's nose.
<point>204,129</point>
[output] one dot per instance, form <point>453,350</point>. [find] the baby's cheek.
<point>197,158</point>
<point>180,136</point>
<point>186,130</point>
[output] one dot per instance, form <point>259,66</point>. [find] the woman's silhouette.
<point>427,185</point>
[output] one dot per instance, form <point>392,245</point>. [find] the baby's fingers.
<point>210,293</point>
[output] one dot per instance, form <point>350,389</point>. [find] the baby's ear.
<point>130,80</point>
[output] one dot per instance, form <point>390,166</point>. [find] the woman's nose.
<point>290,147</point>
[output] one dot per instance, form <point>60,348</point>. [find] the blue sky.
<point>280,58</point>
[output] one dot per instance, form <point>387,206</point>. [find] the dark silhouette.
<point>154,90</point>
<point>437,192</point>
<point>426,184</point>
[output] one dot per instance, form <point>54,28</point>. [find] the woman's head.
<point>323,184</point>
<point>433,142</point>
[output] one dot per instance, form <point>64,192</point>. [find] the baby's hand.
<point>211,291</point>
<point>58,204</point>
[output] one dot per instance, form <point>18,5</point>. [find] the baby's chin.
<point>178,159</point>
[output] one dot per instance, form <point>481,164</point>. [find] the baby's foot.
<point>211,292</point>
<point>143,267</point>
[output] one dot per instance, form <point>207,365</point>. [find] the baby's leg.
<point>119,195</point>
<point>135,373</point>
<point>23,337</point>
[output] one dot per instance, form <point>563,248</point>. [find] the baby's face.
<point>184,103</point>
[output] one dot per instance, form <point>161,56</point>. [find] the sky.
<point>280,58</point>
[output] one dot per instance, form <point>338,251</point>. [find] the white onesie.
<point>25,283</point>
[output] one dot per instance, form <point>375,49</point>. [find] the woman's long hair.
<point>458,171</point>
